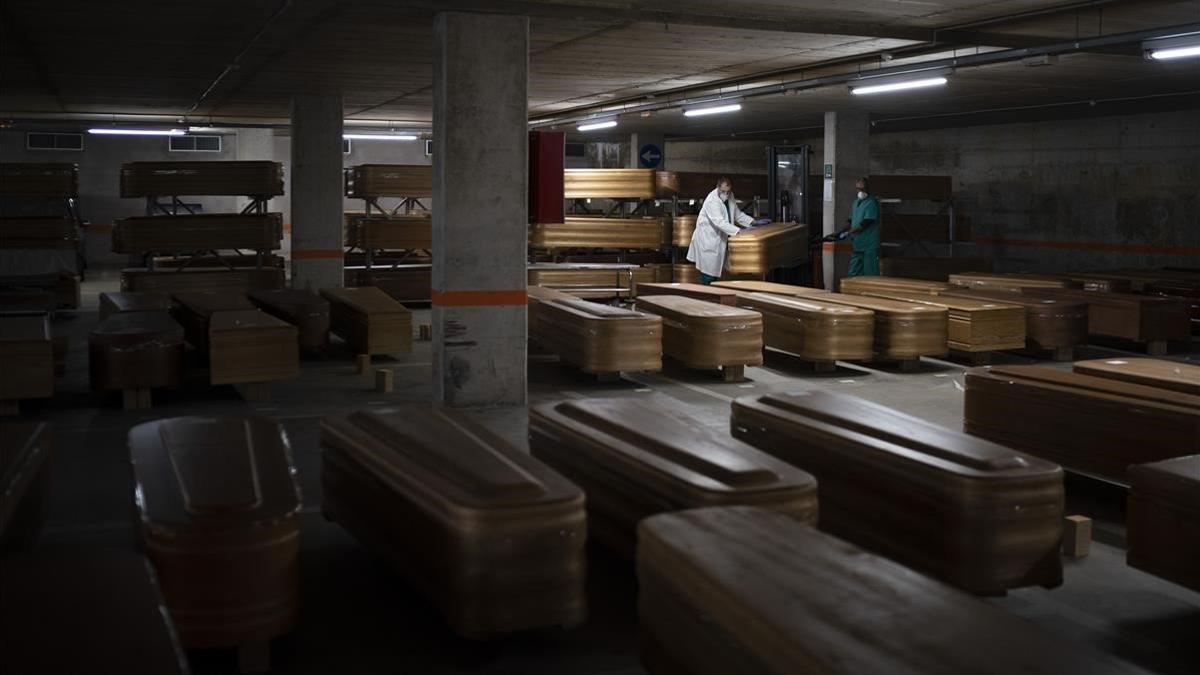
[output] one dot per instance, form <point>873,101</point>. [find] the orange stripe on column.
<point>836,246</point>
<point>478,298</point>
<point>317,253</point>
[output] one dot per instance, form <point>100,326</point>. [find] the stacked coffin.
<point>685,273</point>
<point>133,301</point>
<point>814,330</point>
<point>162,179</point>
<point>369,320</point>
<point>247,346</point>
<point>608,183</point>
<point>26,359</point>
<point>51,180</point>
<point>634,460</point>
<point>141,234</point>
<point>743,590</point>
<point>586,232</point>
<point>759,250</point>
<point>404,283</point>
<point>389,232</point>
<point>134,352</point>
<point>707,336</point>
<point>682,228</point>
<point>305,310</point>
<point>1011,282</point>
<point>1153,320</point>
<point>501,535</point>
<point>38,232</point>
<point>596,338</point>
<point>203,279</point>
<point>721,296</point>
<point>1091,425</point>
<point>1055,325</point>
<point>217,501</point>
<point>972,513</point>
<point>1163,519</point>
<point>367,181</point>
<point>1174,375</point>
<point>24,485</point>
<point>194,310</point>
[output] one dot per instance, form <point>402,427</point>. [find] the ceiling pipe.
<point>236,62</point>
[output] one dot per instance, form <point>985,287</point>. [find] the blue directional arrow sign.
<point>650,156</point>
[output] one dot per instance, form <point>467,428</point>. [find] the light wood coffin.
<point>682,229</point>
<point>1090,425</point>
<point>1049,323</point>
<point>634,460</point>
<point>164,179</point>
<point>721,296</point>
<point>491,536</point>
<point>743,590</point>
<point>1164,518</point>
<point>217,501</point>
<point>761,249</point>
<point>369,320</point>
<point>398,232</point>
<point>389,180</point>
<point>877,285</point>
<point>685,273</point>
<point>305,310</point>
<point>136,350</point>
<point>903,330</point>
<point>586,232</point>
<point>1140,318</point>
<point>194,309</point>
<point>973,325</point>
<point>204,279</point>
<point>974,514</point>
<point>608,184</point>
<point>48,179</point>
<point>1160,373</point>
<point>812,329</point>
<point>606,280</point>
<point>26,357</point>
<point>704,335</point>
<point>249,346</point>
<point>1012,282</point>
<point>25,450</point>
<point>115,302</point>
<point>597,338</point>
<point>221,231</point>
<point>38,232</point>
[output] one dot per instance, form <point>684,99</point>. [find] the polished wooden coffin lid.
<point>1160,373</point>
<point>795,305</point>
<point>861,301</point>
<point>646,438</point>
<point>609,183</point>
<point>865,285</point>
<point>1089,385</point>
<point>722,296</point>
<point>196,473</point>
<point>1176,479</point>
<point>1029,302</point>
<point>446,459</point>
<point>685,309</point>
<point>594,311</point>
<point>364,299</point>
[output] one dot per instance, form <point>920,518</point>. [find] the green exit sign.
<point>828,172</point>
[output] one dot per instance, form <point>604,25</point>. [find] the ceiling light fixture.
<point>905,81</point>
<point>110,131</point>
<point>601,124</point>
<point>722,107</point>
<point>380,137</point>
<point>1174,47</point>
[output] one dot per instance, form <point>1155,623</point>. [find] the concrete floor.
<point>358,617</point>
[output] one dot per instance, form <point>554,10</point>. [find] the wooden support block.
<point>1156,348</point>
<point>363,364</point>
<point>608,377</point>
<point>824,367</point>
<point>136,399</point>
<point>425,332</point>
<point>733,373</point>
<point>1063,354</point>
<point>910,365</point>
<point>1077,536</point>
<point>254,657</point>
<point>10,407</point>
<point>384,380</point>
<point>255,392</point>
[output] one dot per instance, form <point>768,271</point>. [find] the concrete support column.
<point>316,191</point>
<point>638,141</point>
<point>847,157</point>
<point>480,208</point>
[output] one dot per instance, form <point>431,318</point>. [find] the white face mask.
<point>723,194</point>
<point>862,195</point>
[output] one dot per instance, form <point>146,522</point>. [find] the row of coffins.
<point>589,232</point>
<point>58,180</point>
<point>202,178</point>
<point>370,181</point>
<point>55,232</point>
<point>204,232</point>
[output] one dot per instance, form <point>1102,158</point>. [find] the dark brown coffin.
<point>89,611</point>
<point>30,179</point>
<point>194,310</point>
<point>743,590</point>
<point>305,310</point>
<point>164,179</point>
<point>24,483</point>
<point>634,460</point>
<point>371,321</point>
<point>115,302</point>
<point>249,346</point>
<point>218,499</point>
<point>1164,519</point>
<point>389,180</point>
<point>1049,323</point>
<point>971,513</point>
<point>26,357</point>
<point>38,232</point>
<point>494,538</point>
<point>136,350</point>
<point>204,279</point>
<point>705,335</point>
<point>203,232</point>
<point>1160,373</point>
<point>1090,425</point>
<point>1140,318</point>
<point>721,296</point>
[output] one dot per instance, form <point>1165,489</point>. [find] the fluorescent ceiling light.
<point>603,124</point>
<point>899,86</point>
<point>136,132</point>
<point>380,137</point>
<point>1177,47</point>
<point>1174,53</point>
<point>712,110</point>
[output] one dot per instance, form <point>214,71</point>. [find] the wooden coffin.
<point>217,501</point>
<point>1125,316</point>
<point>27,300</point>
<point>811,329</point>
<point>721,296</point>
<point>1164,518</point>
<point>1123,280</point>
<point>369,320</point>
<point>901,285</point>
<point>142,234</point>
<point>305,310</point>
<point>136,350</point>
<point>225,260</point>
<point>682,228</point>
<point>599,338</point>
<point>1089,425</point>
<point>761,249</point>
<point>704,335</point>
<point>25,450</point>
<point>685,273</point>
<point>164,179</point>
<point>932,269</point>
<point>1012,282</point>
<point>634,460</point>
<point>366,181</point>
<point>974,514</point>
<point>398,232</point>
<point>1049,323</point>
<point>404,283</point>
<point>38,232</point>
<point>89,611</point>
<point>608,183</point>
<point>115,302</point>
<point>45,179</point>
<point>687,185</point>
<point>26,357</point>
<point>585,232</point>
<point>1160,373</point>
<point>590,280</point>
<point>1188,291</point>
<point>491,536</point>
<point>194,309</point>
<point>973,325</point>
<point>903,330</point>
<point>743,590</point>
<point>249,346</point>
<point>203,279</point>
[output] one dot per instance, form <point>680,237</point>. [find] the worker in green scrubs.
<point>863,230</point>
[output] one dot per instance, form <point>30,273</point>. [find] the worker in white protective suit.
<point>719,219</point>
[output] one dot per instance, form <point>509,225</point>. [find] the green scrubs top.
<point>865,209</point>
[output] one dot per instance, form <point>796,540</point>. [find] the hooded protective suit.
<point>714,226</point>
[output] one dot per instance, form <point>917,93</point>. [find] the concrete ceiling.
<point>241,60</point>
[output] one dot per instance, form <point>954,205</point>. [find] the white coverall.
<point>714,226</point>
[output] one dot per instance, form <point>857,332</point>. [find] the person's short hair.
<point>724,180</point>
<point>866,183</point>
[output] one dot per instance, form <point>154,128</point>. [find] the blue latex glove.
<point>843,235</point>
<point>760,221</point>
